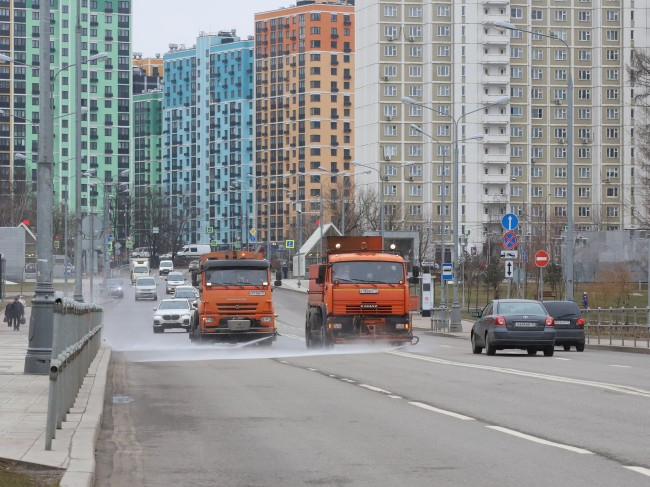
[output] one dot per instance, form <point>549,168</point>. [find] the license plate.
<point>239,325</point>
<point>563,322</point>
<point>522,324</point>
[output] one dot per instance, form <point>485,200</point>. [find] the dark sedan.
<point>569,324</point>
<point>112,287</point>
<point>514,323</point>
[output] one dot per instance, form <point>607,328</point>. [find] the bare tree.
<point>639,75</point>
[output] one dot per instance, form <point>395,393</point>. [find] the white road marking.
<point>349,381</point>
<point>441,411</point>
<point>375,389</point>
<point>641,470</point>
<point>540,440</point>
<point>634,391</point>
<point>393,396</point>
<point>294,337</point>
<point>560,358</point>
<point>446,346</point>
<point>313,370</point>
<point>621,366</point>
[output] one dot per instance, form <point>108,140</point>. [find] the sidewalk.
<point>23,412</point>
<point>422,325</point>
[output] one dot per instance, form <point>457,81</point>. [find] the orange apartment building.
<point>304,66</point>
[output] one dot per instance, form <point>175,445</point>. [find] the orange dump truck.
<point>360,294</point>
<point>235,303</point>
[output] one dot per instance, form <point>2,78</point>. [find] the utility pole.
<point>41,323</point>
<point>78,248</point>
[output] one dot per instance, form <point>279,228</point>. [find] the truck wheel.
<point>325,339</point>
<point>308,339</point>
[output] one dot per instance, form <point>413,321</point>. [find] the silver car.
<point>172,313</point>
<point>174,279</point>
<point>146,288</point>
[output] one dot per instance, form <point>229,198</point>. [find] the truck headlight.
<point>337,326</point>
<point>266,319</point>
<point>402,326</point>
<point>208,319</point>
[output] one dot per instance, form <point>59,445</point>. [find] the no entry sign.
<point>541,258</point>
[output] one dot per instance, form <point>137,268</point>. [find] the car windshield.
<point>239,276</point>
<point>146,282</point>
<point>366,271</point>
<point>143,270</point>
<point>521,308</point>
<point>175,277</point>
<point>180,304</point>
<point>113,282</point>
<point>184,294</point>
<point>166,264</point>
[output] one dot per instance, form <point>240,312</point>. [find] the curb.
<point>81,469</point>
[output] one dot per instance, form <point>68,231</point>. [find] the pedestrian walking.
<point>585,300</point>
<point>14,312</point>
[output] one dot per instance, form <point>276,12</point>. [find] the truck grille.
<point>235,308</point>
<point>368,309</point>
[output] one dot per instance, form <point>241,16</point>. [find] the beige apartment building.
<point>501,97</point>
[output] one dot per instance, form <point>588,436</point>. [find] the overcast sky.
<point>158,23</point>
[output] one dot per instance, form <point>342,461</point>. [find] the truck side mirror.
<point>322,269</point>
<point>195,281</point>
<point>278,278</point>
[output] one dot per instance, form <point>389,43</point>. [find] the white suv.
<point>146,288</point>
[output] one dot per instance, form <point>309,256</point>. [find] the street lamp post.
<point>456,324</point>
<point>569,160</point>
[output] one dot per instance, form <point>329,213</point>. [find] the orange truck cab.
<point>360,293</point>
<point>235,302</point>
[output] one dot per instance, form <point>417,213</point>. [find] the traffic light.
<point>25,221</point>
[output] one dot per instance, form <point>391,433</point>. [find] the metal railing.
<point>440,319</point>
<point>75,343</point>
<point>617,325</point>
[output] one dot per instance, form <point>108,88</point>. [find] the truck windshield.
<point>370,272</point>
<point>236,277</point>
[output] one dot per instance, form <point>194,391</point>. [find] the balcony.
<point>499,179</point>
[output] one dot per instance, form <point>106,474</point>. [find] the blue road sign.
<point>251,238</point>
<point>510,240</point>
<point>524,255</point>
<point>510,221</point>
<point>447,272</point>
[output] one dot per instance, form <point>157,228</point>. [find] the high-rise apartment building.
<point>105,95</point>
<point>304,97</point>
<point>208,138</point>
<point>455,61</point>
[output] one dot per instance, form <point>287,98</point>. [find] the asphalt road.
<point>431,414</point>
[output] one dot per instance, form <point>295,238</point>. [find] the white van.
<point>193,250</point>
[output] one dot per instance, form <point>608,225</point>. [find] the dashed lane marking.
<point>641,470</point>
<point>540,440</point>
<point>441,411</point>
<point>375,389</point>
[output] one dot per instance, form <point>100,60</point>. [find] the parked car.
<point>172,313</point>
<point>146,288</point>
<point>513,323</point>
<point>194,266</point>
<point>165,267</point>
<point>112,287</point>
<point>569,324</point>
<point>174,279</point>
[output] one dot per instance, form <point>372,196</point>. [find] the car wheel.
<point>567,348</point>
<point>489,348</point>
<point>475,348</point>
<point>549,351</point>
<point>155,298</point>
<point>580,347</point>
<point>531,351</point>
<point>137,299</point>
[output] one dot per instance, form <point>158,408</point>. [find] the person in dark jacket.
<point>14,312</point>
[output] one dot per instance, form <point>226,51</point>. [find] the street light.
<point>456,324</point>
<point>569,160</point>
<point>442,195</point>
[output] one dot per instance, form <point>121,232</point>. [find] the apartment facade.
<point>105,95</point>
<point>458,65</point>
<point>304,99</point>
<point>208,138</point>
